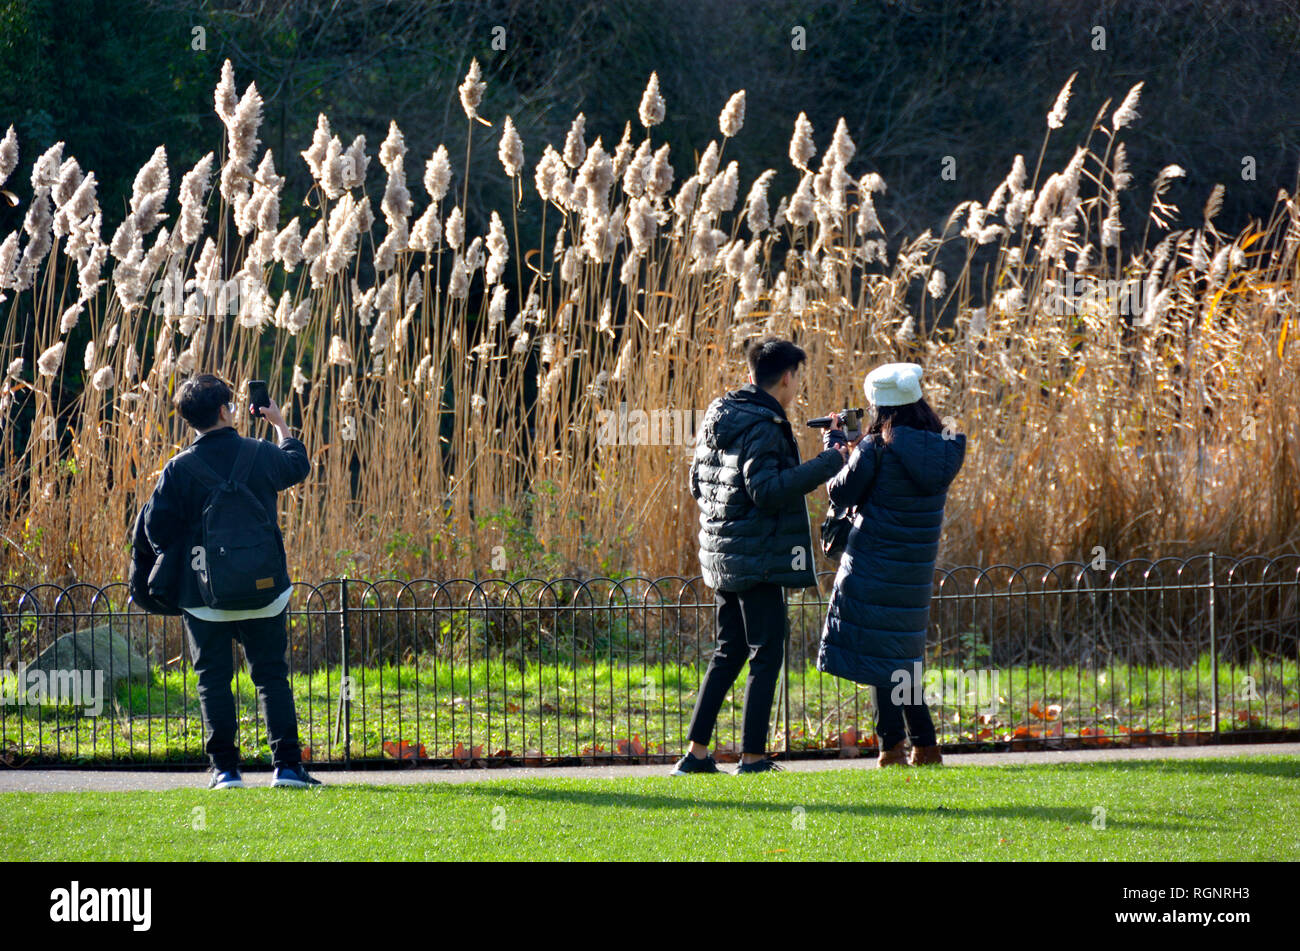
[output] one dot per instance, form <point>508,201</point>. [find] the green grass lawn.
<point>1238,808</point>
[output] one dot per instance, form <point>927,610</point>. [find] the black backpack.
<point>243,563</point>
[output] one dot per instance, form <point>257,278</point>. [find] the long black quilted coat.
<point>750,486</point>
<point>880,603</point>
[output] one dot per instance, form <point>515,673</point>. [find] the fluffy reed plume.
<point>297,318</point>
<point>242,120</point>
<point>937,284</point>
<point>1120,177</point>
<point>651,110</point>
<point>1056,118</point>
<point>338,355</point>
<point>45,170</point>
<point>802,148</point>
<point>471,90</point>
<point>511,152</point>
<point>437,174</point>
<point>149,192</point>
<point>427,231</point>
<point>498,251</point>
<point>38,224</point>
<point>708,166</point>
<point>50,359</point>
<point>393,148</point>
<point>461,404</point>
<point>757,214</point>
<point>8,155</point>
<point>69,319</point>
<point>288,246</point>
<point>1127,110</point>
<point>455,230</point>
<point>575,149</point>
<point>9,261</point>
<point>732,117</point>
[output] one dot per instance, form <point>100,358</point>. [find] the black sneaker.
<point>226,779</point>
<point>294,777</point>
<point>693,764</point>
<point>760,766</point>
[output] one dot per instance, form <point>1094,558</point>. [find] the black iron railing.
<point>1185,650</point>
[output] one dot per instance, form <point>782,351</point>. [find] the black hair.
<point>770,357</point>
<point>918,415</point>
<point>200,399</point>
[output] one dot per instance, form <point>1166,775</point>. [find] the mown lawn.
<point>1238,808</point>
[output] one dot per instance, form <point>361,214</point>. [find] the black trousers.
<point>265,643</point>
<point>751,625</point>
<point>897,720</point>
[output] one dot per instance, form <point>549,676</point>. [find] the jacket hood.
<point>730,415</point>
<point>930,460</point>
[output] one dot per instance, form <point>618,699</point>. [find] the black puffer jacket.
<point>880,604</point>
<point>750,486</point>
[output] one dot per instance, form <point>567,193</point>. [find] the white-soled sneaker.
<point>294,777</point>
<point>226,779</point>
<point>689,764</point>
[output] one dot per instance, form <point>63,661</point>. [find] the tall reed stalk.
<point>456,426</point>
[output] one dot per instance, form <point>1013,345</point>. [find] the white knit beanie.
<point>893,384</point>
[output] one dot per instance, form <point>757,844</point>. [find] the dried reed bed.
<point>455,427</point>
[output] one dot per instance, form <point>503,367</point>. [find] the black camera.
<point>852,419</point>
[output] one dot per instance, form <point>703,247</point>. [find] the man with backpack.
<point>215,505</point>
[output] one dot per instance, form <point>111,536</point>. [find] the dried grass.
<point>1170,433</point>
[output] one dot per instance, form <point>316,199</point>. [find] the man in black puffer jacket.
<point>755,540</point>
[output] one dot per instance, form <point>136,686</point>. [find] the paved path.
<point>126,780</point>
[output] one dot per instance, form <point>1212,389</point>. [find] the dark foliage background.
<point>916,80</point>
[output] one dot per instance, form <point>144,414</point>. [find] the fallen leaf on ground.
<point>403,750</point>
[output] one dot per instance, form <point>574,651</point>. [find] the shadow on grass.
<point>496,792</point>
<point>1280,766</point>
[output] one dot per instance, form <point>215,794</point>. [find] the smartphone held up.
<point>258,397</point>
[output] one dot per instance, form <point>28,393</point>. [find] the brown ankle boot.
<point>926,756</point>
<point>896,756</point>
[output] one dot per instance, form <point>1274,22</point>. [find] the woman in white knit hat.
<point>897,479</point>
